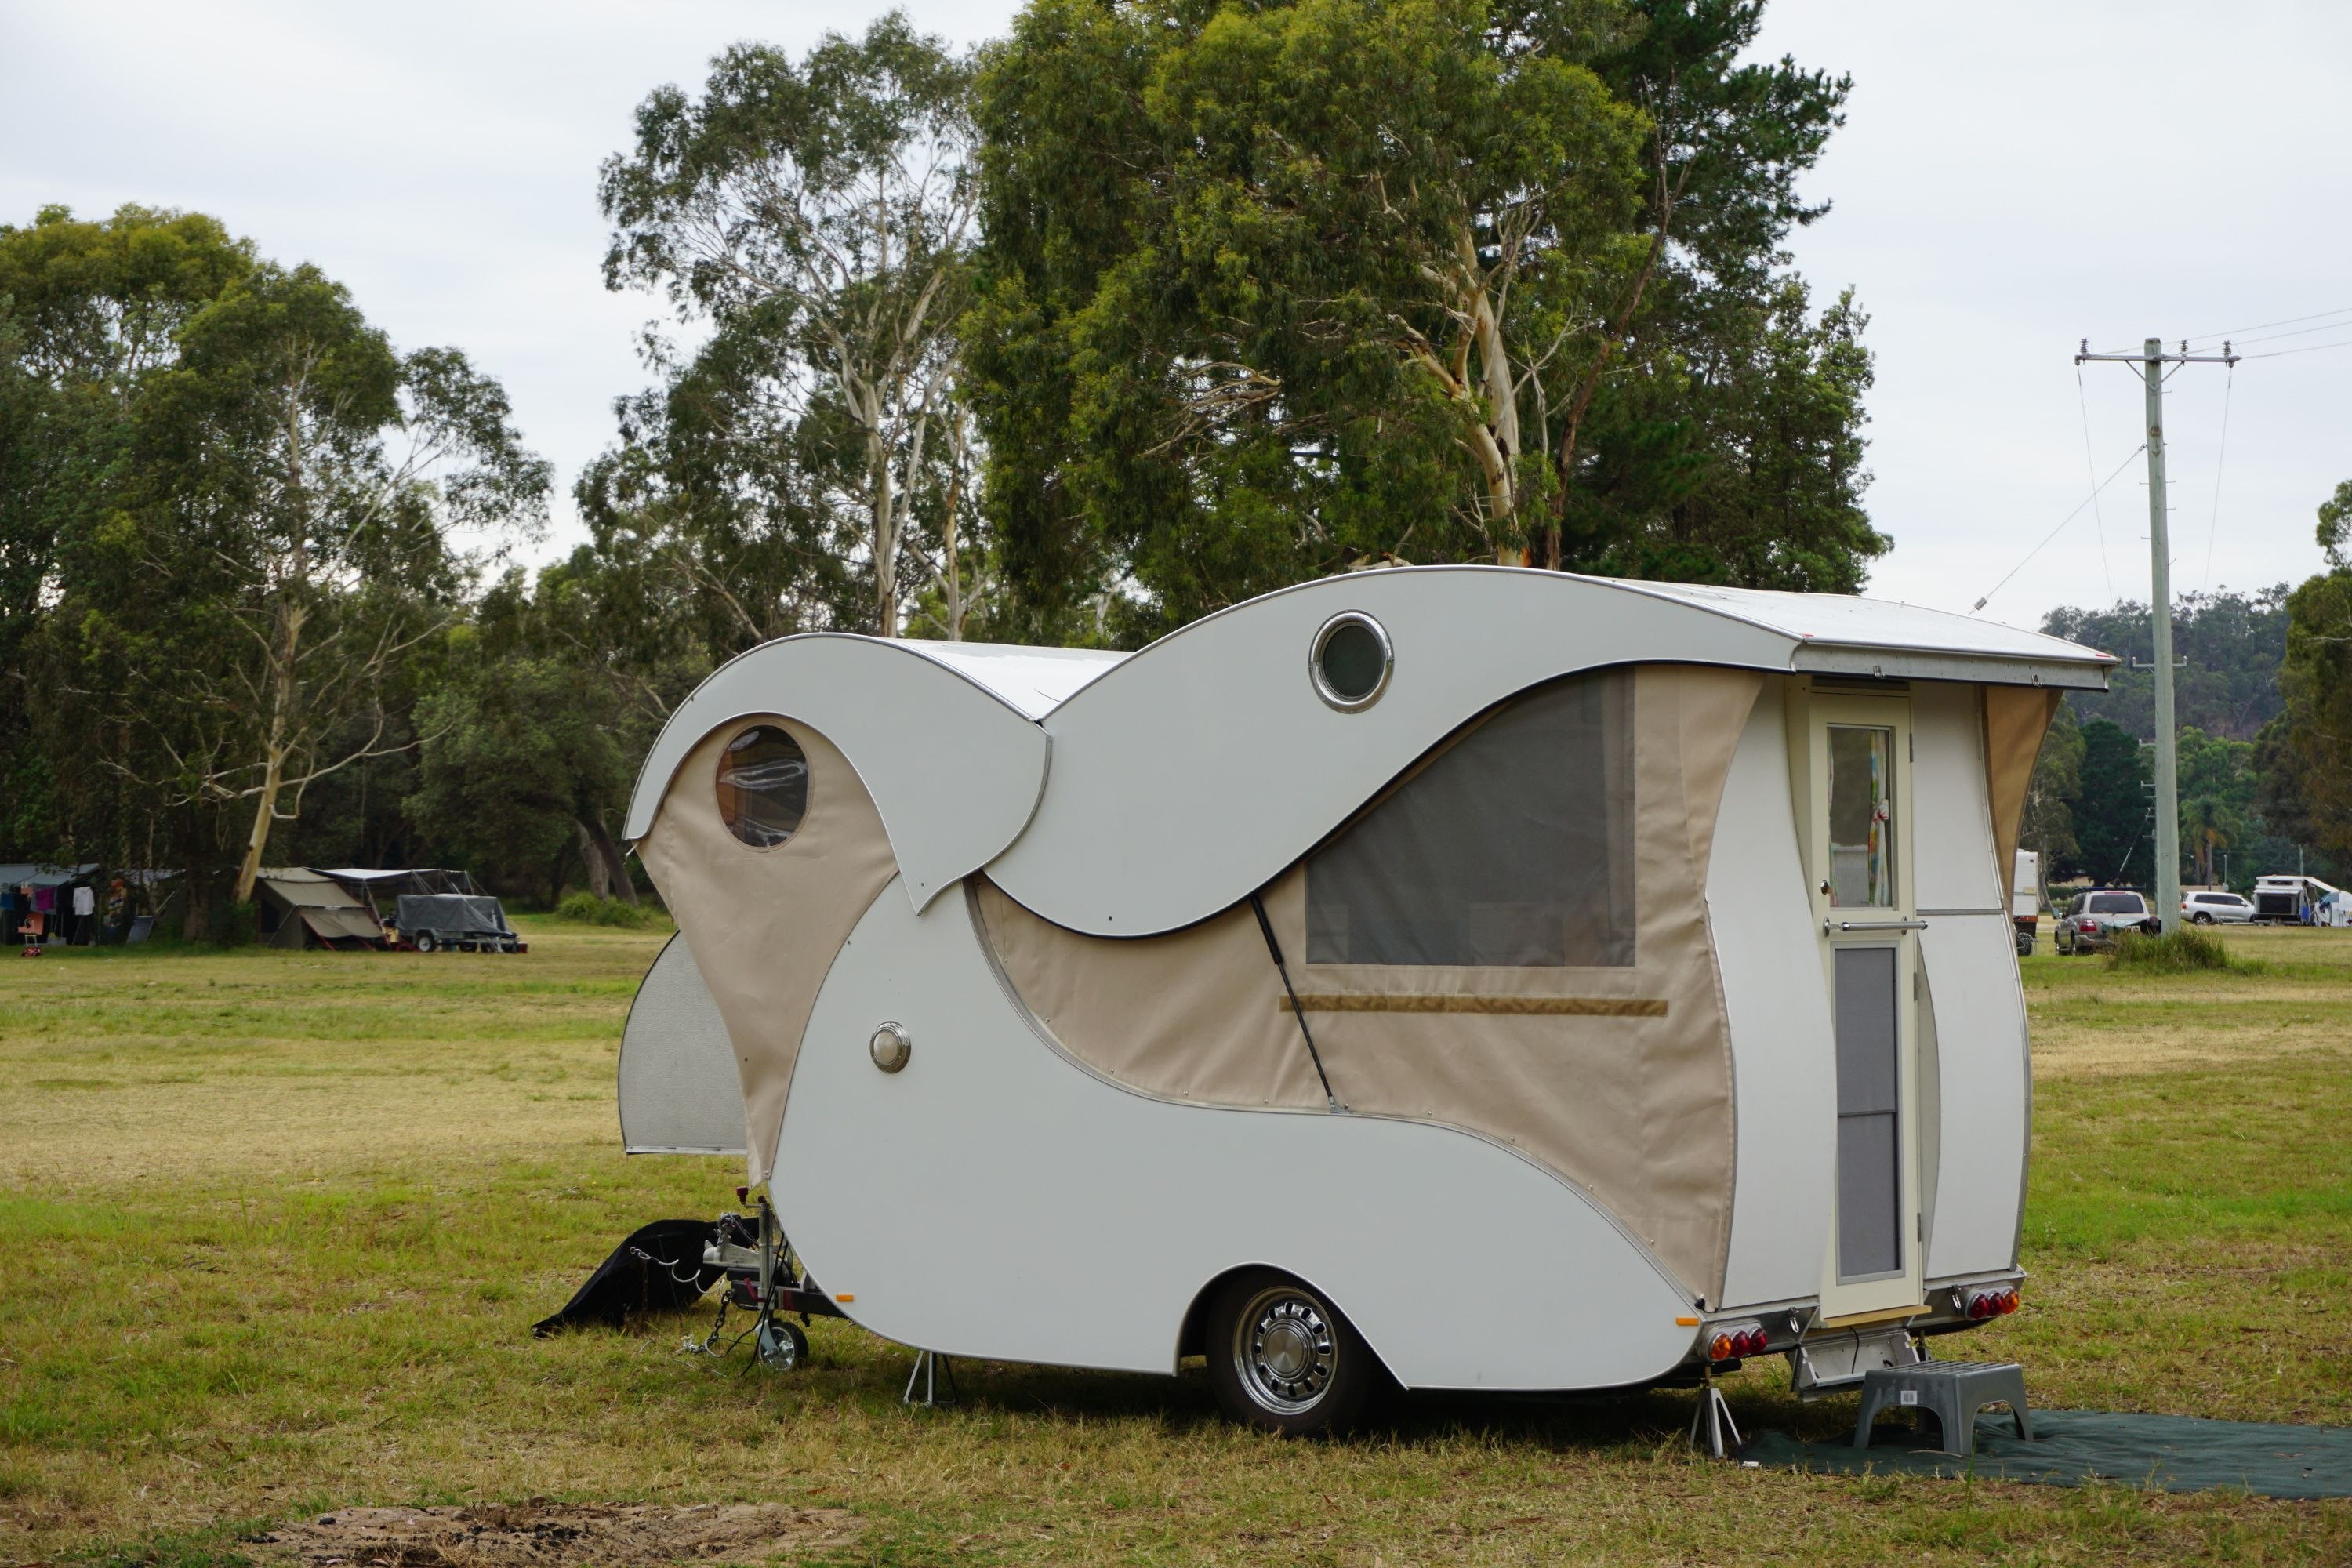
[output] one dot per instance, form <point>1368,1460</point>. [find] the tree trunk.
<point>608,869</point>
<point>282,696</point>
<point>195,902</point>
<point>885,531</point>
<point>600,875</point>
<point>265,809</point>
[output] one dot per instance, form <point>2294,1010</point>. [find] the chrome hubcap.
<point>1284,1350</point>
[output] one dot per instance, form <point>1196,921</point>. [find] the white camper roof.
<point>1035,681</point>
<point>1133,828</point>
<point>1844,634</point>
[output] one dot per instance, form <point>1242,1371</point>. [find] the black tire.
<point>426,941</point>
<point>2200,919</point>
<point>1282,1358</point>
<point>781,1345</point>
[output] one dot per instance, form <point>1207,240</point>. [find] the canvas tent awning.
<point>23,874</point>
<point>311,901</point>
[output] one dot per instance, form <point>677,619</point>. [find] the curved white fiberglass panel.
<point>1190,774</point>
<point>994,1199</point>
<point>1784,1076</point>
<point>1983,1085</point>
<point>954,768</point>
<point>680,1090</point>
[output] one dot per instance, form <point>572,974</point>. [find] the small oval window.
<point>762,787</point>
<point>1351,661</point>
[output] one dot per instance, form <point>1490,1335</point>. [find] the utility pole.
<point>2151,360</point>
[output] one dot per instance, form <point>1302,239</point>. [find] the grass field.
<point>273,1226</point>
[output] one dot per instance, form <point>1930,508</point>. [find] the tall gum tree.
<point>310,500</point>
<point>816,217</point>
<point>1271,290</point>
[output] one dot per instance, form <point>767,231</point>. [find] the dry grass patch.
<point>541,1534</point>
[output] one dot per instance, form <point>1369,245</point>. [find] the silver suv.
<point>2091,919</point>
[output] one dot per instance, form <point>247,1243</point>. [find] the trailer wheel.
<point>1285,1359</point>
<point>780,1345</point>
<point>426,941</point>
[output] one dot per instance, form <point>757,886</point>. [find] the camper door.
<point>1860,847</point>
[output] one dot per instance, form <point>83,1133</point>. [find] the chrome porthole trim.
<point>891,1047</point>
<point>1316,672</point>
<point>1284,1350</point>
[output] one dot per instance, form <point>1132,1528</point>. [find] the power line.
<point>2336,325</point>
<point>2308,349</point>
<point>2062,521</point>
<point>2259,326</point>
<point>2090,472</point>
<point>2220,458</point>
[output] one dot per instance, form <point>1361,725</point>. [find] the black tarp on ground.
<point>658,1269</point>
<point>2161,1453</point>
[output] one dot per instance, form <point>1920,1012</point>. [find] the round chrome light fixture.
<point>891,1047</point>
<point>1351,661</point>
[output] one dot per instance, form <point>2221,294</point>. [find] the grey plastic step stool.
<point>1954,1391</point>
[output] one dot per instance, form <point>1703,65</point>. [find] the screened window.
<point>1513,846</point>
<point>762,787</point>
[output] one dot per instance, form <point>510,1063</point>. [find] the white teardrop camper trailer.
<point>1489,979</point>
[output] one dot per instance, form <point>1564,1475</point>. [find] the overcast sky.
<point>2013,177</point>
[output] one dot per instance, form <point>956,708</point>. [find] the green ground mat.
<point>2164,1453</point>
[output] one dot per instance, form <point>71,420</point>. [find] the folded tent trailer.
<point>1522,981</point>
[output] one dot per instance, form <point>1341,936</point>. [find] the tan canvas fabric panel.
<point>2016,717</point>
<point>340,924</point>
<point>764,924</point>
<point>1618,1077</point>
<point>1193,1014</point>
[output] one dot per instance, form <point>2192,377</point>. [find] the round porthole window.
<point>1351,661</point>
<point>762,787</point>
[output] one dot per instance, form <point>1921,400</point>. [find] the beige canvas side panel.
<point>764,924</point>
<point>1631,1101</point>
<point>2016,717</point>
<point>1190,1016</point>
<point>1617,1077</point>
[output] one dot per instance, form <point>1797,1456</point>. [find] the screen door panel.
<point>1870,1176</point>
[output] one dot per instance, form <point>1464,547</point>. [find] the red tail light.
<point>1980,1306</point>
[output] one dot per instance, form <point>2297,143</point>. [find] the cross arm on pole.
<point>2144,357</point>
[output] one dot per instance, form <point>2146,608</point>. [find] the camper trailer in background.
<point>2300,900</point>
<point>1479,978</point>
<point>2026,899</point>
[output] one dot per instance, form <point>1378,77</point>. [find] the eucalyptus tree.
<point>813,220</point>
<point>305,507</point>
<point>1280,289</point>
<point>2304,755</point>
<point>89,311</point>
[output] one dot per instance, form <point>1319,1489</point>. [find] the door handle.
<point>1829,926</point>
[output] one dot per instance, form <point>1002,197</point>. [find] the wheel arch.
<point>1193,1331</point>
